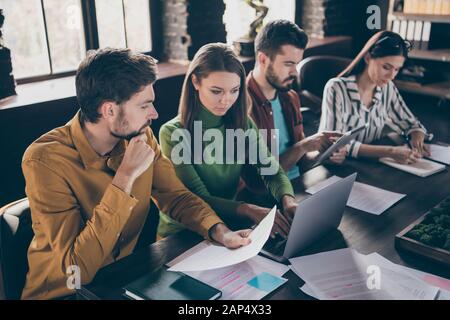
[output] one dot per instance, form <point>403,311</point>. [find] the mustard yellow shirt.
<point>80,218</point>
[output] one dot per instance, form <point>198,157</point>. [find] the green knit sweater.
<point>216,183</point>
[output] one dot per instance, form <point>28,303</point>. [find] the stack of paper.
<point>363,196</point>
<point>439,153</point>
<point>346,274</point>
<point>249,280</point>
<point>422,168</point>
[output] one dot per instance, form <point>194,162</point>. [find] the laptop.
<point>315,216</point>
<point>345,139</point>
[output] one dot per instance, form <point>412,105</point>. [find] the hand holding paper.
<point>213,256</point>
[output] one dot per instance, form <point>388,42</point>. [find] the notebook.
<point>422,168</point>
<point>440,153</point>
<point>168,285</point>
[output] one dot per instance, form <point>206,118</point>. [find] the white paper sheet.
<point>344,274</point>
<point>363,196</point>
<point>306,289</point>
<point>422,168</point>
<point>431,279</point>
<point>444,295</point>
<point>233,280</point>
<point>440,153</point>
<point>217,256</point>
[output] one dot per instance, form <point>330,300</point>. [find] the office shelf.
<point>435,60</point>
<point>438,89</point>
<point>422,17</point>
<point>442,55</point>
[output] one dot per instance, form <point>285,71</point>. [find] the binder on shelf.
<point>410,31</point>
<point>422,7</point>
<point>415,6</point>
<point>407,6</point>
<point>396,26</point>
<point>445,7</point>
<point>429,6</point>
<point>425,35</point>
<point>417,35</point>
<point>403,28</point>
<point>437,7</point>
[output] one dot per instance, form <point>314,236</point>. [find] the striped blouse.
<point>343,110</point>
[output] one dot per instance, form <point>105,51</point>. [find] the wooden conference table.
<point>358,230</point>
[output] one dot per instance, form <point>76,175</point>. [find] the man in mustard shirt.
<point>90,182</point>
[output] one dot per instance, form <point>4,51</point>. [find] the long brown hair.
<point>381,44</point>
<point>210,58</point>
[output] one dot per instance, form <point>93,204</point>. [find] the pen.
<point>407,140</point>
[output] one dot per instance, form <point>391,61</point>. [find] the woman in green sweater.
<point>201,142</point>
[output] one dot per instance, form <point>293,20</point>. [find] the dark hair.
<point>381,44</point>
<point>111,75</point>
<point>277,33</point>
<point>211,58</point>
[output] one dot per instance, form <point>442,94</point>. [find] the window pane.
<point>237,18</point>
<point>24,34</point>
<point>137,21</point>
<point>110,24</point>
<point>280,10</point>
<point>238,15</point>
<point>66,33</point>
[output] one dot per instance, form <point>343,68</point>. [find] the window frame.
<point>91,37</point>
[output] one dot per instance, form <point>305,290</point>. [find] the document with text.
<point>363,196</point>
<point>345,274</point>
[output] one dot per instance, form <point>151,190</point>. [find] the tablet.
<point>346,138</point>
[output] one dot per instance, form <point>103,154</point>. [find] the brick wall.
<point>189,24</point>
<point>7,83</point>
<point>321,18</point>
<point>175,34</point>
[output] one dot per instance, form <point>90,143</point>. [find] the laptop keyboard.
<point>275,246</point>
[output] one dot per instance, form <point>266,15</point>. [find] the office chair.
<point>16,234</point>
<point>314,72</point>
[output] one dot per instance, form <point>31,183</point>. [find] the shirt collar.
<point>377,95</point>
<point>256,91</point>
<point>88,156</point>
<point>352,86</point>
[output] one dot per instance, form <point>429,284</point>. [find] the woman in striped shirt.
<point>364,93</point>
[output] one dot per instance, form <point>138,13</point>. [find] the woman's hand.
<point>257,213</point>
<point>417,142</point>
<point>320,141</point>
<point>404,155</point>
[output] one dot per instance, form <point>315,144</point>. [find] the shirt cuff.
<point>428,136</point>
<point>118,201</point>
<point>207,224</point>
<point>284,189</point>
